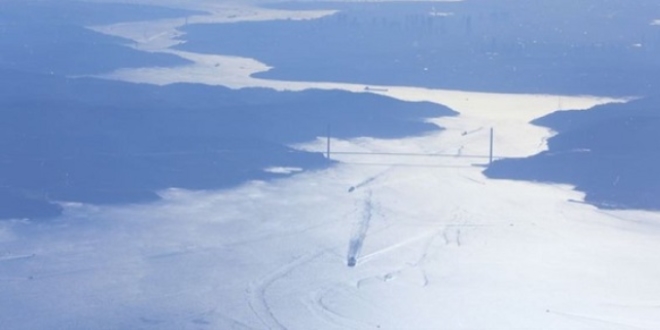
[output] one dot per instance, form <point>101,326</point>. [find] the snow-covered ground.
<point>159,35</point>
<point>437,245</point>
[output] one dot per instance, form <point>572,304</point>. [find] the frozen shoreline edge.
<point>234,72</point>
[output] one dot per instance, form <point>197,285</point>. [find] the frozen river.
<point>436,244</point>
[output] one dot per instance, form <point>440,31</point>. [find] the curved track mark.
<point>256,291</point>
<point>319,307</point>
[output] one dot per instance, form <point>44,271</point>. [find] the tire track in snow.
<point>398,245</point>
<point>316,304</point>
<point>12,257</point>
<point>593,319</point>
<point>360,233</point>
<point>201,320</point>
<point>256,291</point>
<point>369,180</point>
<point>450,233</point>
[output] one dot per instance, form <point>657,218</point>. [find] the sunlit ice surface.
<point>401,233</point>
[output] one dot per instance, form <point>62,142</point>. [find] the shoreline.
<point>237,72</point>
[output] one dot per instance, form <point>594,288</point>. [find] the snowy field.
<point>436,244</point>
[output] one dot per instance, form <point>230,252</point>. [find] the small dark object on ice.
<point>352,262</point>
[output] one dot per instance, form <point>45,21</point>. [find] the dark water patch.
<point>83,13</point>
<point>16,204</point>
<point>72,50</point>
<point>98,141</point>
<point>505,46</point>
<point>610,153</point>
<point>50,37</point>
